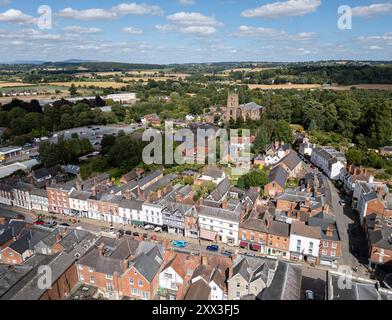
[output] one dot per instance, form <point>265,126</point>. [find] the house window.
<point>325,244</point>
<point>324,252</point>
<point>238,294</point>
<point>131,281</point>
<point>333,253</point>
<point>238,285</point>
<point>109,287</point>
<point>167,276</point>
<point>252,238</point>
<point>90,269</point>
<point>145,295</point>
<point>135,291</point>
<point>140,283</point>
<point>109,276</point>
<point>334,245</point>
<point>92,279</point>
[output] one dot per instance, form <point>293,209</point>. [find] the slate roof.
<point>148,264</point>
<point>219,213</point>
<point>131,204</point>
<point>278,175</point>
<point>285,285</point>
<point>301,229</point>
<point>213,172</point>
<point>324,223</point>
<point>41,173</point>
<point>199,290</point>
<point>278,228</point>
<point>28,240</point>
<point>252,269</point>
<point>291,160</point>
<point>220,191</point>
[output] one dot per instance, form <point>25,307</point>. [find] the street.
<point>349,229</point>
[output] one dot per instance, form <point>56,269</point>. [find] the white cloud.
<point>279,9</point>
<point>111,13</point>
<point>186,2</point>
<point>248,31</point>
<point>138,9</point>
<point>88,14</point>
<point>133,30</point>
<point>194,19</point>
<point>199,30</point>
<point>165,27</point>
<point>372,10</point>
<point>16,16</point>
<point>80,30</point>
<point>375,47</point>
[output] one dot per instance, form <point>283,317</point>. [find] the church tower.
<point>232,105</point>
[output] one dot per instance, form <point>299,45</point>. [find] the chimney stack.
<point>101,248</point>
<point>329,231</point>
<point>204,260</point>
<point>224,204</point>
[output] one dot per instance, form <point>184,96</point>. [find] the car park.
<point>213,248</point>
<point>179,243</point>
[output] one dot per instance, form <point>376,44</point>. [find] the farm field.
<point>7,84</point>
<point>319,86</point>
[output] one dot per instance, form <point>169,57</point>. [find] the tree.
<point>107,142</point>
<point>72,90</point>
<point>282,132</point>
<point>355,156</point>
<point>261,140</point>
<point>256,178</point>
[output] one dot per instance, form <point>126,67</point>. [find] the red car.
<point>154,238</point>
<point>39,222</point>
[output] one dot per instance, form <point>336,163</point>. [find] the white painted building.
<point>217,224</point>
<point>130,211</point>
<point>78,202</point>
<point>330,161</point>
<point>151,214</point>
<point>272,159</point>
<point>21,194</point>
<point>304,242</point>
<point>306,149</point>
<point>6,194</point>
<point>39,200</point>
<point>170,279</point>
<point>122,97</point>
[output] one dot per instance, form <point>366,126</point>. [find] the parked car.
<point>227,253</point>
<point>147,227</point>
<point>145,236</point>
<point>179,243</point>
<point>309,295</point>
<point>153,238</point>
<point>135,234</point>
<point>158,229</point>
<point>39,222</point>
<point>213,248</point>
<point>64,224</point>
<point>128,233</point>
<point>121,232</point>
<point>342,203</point>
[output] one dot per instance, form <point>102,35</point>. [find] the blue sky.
<point>178,31</point>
